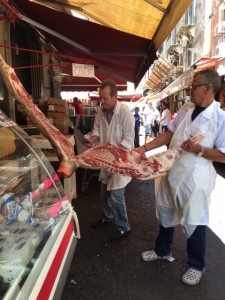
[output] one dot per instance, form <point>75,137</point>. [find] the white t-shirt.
<point>166,117</point>
<point>149,115</point>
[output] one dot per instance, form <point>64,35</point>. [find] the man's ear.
<point>209,86</point>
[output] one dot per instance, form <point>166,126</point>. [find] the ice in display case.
<point>38,226</point>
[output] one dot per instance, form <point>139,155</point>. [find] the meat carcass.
<point>118,160</point>
<point>108,156</point>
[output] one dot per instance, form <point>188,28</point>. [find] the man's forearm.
<point>161,140</point>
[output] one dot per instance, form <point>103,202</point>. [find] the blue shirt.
<point>137,121</point>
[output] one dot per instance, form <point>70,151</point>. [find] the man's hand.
<point>191,146</point>
<point>88,143</point>
<point>141,150</point>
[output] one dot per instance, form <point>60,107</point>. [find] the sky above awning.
<point>121,42</point>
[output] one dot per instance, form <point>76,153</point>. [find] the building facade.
<point>197,42</point>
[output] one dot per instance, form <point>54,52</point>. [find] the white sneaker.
<point>151,255</point>
<point>192,276</point>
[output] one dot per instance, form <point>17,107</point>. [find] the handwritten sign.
<point>82,70</point>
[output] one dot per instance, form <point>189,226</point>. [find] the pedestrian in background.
<point>155,121</point>
<point>166,117</point>
<point>184,193</point>
<point>148,113</point>
<point>114,122</point>
<point>79,110</point>
<point>137,118</point>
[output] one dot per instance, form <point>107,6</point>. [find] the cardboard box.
<point>56,115</point>
<point>55,101</point>
<point>62,128</point>
<point>57,108</point>
<point>63,122</point>
<point>51,107</point>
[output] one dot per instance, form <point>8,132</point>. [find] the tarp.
<point>123,43</point>
<point>160,71</point>
<point>207,63</point>
<point>181,83</point>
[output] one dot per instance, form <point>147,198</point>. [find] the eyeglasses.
<point>194,86</point>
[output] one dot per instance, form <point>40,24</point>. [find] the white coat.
<point>184,194</point>
<point>121,132</point>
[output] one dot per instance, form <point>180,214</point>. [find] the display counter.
<point>38,226</point>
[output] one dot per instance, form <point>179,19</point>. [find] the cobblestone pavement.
<point>103,270</point>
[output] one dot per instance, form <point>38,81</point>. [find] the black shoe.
<point>100,222</point>
<point>118,235</point>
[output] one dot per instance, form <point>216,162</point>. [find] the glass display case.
<point>38,226</point>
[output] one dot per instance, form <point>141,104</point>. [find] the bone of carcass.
<point>64,149</point>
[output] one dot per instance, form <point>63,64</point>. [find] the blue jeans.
<point>195,245</point>
<point>148,130</point>
<point>114,206</point>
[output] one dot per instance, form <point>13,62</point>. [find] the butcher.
<point>113,123</point>
<point>184,193</point>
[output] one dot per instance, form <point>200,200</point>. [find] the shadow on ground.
<point>103,270</point>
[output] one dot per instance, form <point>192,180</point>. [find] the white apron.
<point>184,194</point>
